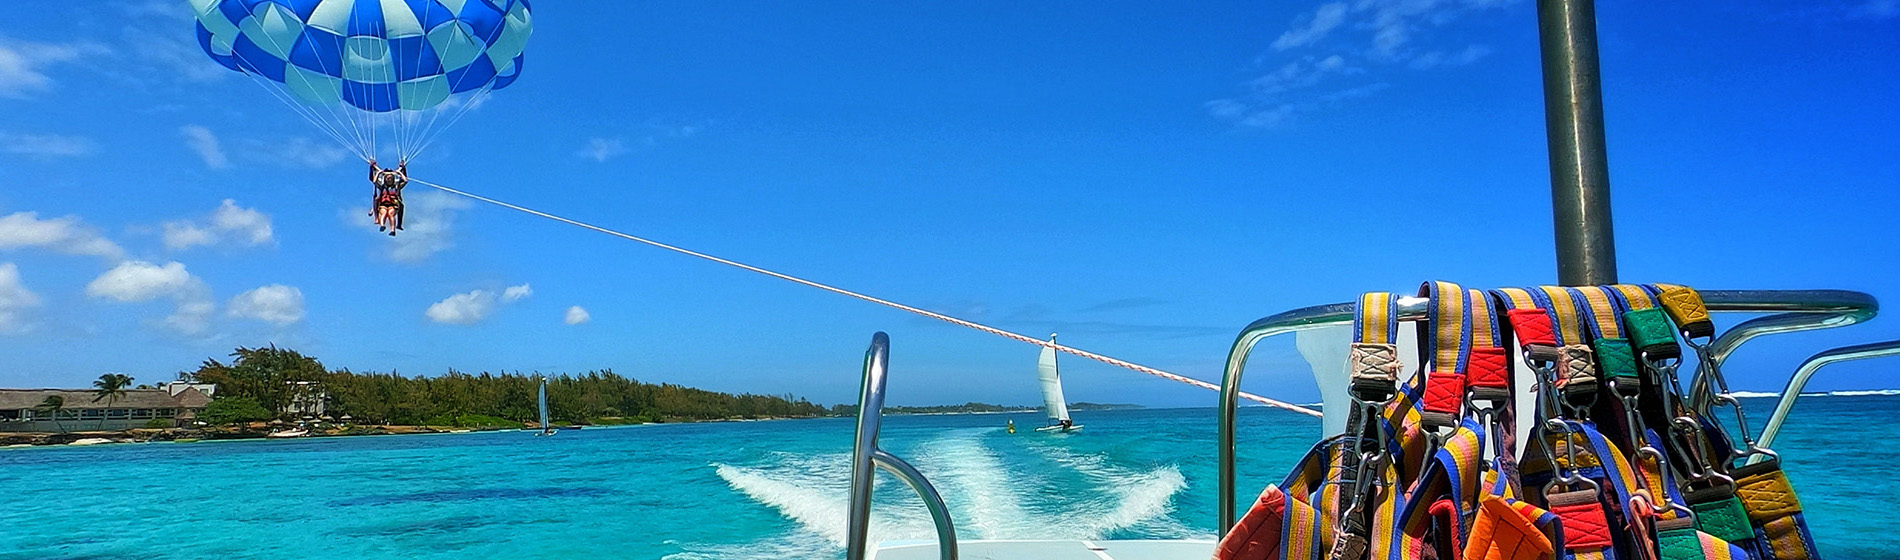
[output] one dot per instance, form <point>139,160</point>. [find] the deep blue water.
<point>744,489</point>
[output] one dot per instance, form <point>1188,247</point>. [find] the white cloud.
<point>228,223</point>
<point>473,306</point>
<point>515,293</point>
<point>135,281</point>
<point>45,146</point>
<point>192,317</point>
<point>576,316</point>
<point>15,299</point>
<point>65,235</point>
<point>462,309</point>
<point>202,141</point>
<point>23,64</point>
<point>248,225</point>
<point>428,225</point>
<point>603,149</point>
<point>304,153</point>
<point>277,304</point>
<point>1437,59</point>
<point>1322,21</point>
<point>1373,35</point>
<point>139,281</point>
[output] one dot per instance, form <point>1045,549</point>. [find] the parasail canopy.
<point>375,75</point>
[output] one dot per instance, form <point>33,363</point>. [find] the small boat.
<point>546,429</point>
<point>290,433</point>
<point>90,441</point>
<point>1052,401</point>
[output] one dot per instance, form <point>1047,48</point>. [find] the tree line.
<point>277,382</point>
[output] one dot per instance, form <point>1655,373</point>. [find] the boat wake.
<point>991,495</point>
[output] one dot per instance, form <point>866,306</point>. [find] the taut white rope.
<point>887,303</point>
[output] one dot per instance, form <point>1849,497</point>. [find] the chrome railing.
<point>865,456</point>
<point>1794,310</point>
<point>1801,374</point>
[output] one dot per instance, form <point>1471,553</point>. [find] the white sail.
<point>544,406</point>
<point>1053,404</point>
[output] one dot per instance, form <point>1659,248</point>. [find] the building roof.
<point>18,399</point>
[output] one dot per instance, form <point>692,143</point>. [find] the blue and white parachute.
<point>373,74</point>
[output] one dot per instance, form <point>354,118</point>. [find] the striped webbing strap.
<point>1781,531</point>
<point>1448,345</point>
<point>1550,329</point>
<point>1313,498</point>
<point>1433,515</point>
<point>1577,375</point>
<point>1373,383</point>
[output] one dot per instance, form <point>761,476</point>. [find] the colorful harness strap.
<point>1450,351</point>
<point>1374,374</point>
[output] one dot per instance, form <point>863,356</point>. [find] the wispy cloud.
<point>23,64</point>
<point>140,281</point>
<point>576,315</point>
<point>228,224</point>
<point>603,148</point>
<point>16,301</point>
<point>205,144</point>
<point>45,146</point>
<point>1316,26</point>
<point>67,234</point>
<point>276,304</point>
<point>473,306</point>
<point>516,293</point>
<point>296,152</point>
<point>1340,50</point>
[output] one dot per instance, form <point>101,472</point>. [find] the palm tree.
<point>53,405</point>
<point>110,388</point>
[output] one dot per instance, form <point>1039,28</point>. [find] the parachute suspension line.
<point>886,303</point>
<point>468,103</point>
<point>331,128</point>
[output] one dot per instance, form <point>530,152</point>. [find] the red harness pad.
<point>1257,535</point>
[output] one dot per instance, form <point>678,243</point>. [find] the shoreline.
<point>260,431</point>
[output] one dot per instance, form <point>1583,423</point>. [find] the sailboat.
<point>546,429</point>
<point>1052,402</point>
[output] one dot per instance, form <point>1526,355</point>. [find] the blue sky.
<point>1143,178</point>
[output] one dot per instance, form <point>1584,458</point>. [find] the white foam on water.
<point>814,492</point>
<point>987,499</point>
<point>979,490</point>
<point>1126,498</point>
<point>1752,394</point>
<point>1871,393</point>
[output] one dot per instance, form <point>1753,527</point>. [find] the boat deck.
<point>1050,550</point>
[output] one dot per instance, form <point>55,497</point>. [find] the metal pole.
<point>1579,168</point>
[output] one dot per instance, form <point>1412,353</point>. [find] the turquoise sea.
<point>773,489</point>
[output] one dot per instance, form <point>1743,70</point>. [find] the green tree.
<point>110,388</point>
<point>263,374</point>
<point>233,410</point>
<point>53,406</point>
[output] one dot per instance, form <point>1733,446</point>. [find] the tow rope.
<point>1624,462</point>
<point>887,303</point>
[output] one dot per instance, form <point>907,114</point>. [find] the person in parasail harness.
<point>387,204</point>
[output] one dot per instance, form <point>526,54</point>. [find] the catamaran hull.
<point>1058,429</point>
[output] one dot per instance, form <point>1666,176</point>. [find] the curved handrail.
<point>866,456</point>
<point>1807,370</point>
<point>1801,310</point>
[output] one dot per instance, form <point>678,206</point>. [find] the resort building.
<point>26,410</point>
